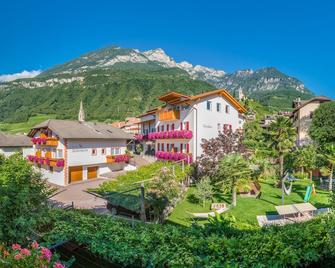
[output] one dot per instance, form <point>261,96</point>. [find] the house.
<point>130,125</point>
<point>68,151</point>
<point>268,119</point>
<point>175,130</point>
<point>10,144</point>
<point>302,117</point>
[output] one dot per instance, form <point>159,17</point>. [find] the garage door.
<point>92,172</point>
<point>76,174</point>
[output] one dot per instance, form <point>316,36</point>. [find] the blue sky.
<point>297,37</point>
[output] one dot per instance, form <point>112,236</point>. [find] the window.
<point>158,146</point>
<point>94,151</point>
<point>163,147</point>
<point>227,109</point>
<point>218,107</point>
<point>181,147</point>
<point>187,125</point>
<point>103,151</point>
<point>172,127</point>
<point>115,151</point>
<point>168,147</point>
<point>59,153</point>
<point>162,128</point>
<point>209,105</point>
<point>172,148</point>
<point>219,127</point>
<point>167,127</point>
<point>185,147</point>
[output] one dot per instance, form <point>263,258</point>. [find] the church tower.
<point>81,114</point>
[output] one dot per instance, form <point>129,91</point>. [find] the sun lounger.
<point>206,215</point>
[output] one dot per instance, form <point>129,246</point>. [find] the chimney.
<point>81,114</point>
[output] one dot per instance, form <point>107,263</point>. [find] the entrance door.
<point>76,174</point>
<point>92,172</point>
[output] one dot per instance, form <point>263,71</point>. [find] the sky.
<point>297,37</point>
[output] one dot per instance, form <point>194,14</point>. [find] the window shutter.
<point>187,125</point>
<point>181,147</point>
<point>181,125</point>
<point>172,127</point>
<point>163,147</point>
<point>168,147</point>
<point>187,148</point>
<point>167,127</point>
<point>158,129</point>
<point>158,146</point>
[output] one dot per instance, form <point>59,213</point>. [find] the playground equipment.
<point>308,193</point>
<point>287,191</point>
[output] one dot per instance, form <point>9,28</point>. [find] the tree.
<point>23,199</point>
<point>232,170</point>
<point>215,149</point>
<point>281,137</point>
<point>306,158</point>
<point>204,190</point>
<point>329,155</point>
<point>322,129</point>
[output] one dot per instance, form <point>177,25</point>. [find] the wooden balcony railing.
<point>169,115</point>
<point>51,142</point>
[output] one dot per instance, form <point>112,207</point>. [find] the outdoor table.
<point>301,208</point>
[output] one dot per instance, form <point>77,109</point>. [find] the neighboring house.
<point>268,119</point>
<point>10,144</point>
<point>130,125</point>
<point>71,151</point>
<point>302,117</point>
<point>176,129</point>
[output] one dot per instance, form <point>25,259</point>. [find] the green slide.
<point>308,193</point>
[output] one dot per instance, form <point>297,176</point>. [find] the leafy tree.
<point>204,190</point>
<point>306,158</point>
<point>23,199</point>
<point>233,169</point>
<point>322,129</point>
<point>215,149</point>
<point>281,137</point>
<point>329,155</point>
<point>163,189</point>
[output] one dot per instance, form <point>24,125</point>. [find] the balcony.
<point>52,162</point>
<point>116,159</point>
<point>174,156</point>
<point>169,115</point>
<point>48,141</point>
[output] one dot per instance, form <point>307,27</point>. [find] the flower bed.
<point>46,161</point>
<point>32,256</point>
<point>174,156</point>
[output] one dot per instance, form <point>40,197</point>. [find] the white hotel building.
<point>68,151</point>
<point>178,126</point>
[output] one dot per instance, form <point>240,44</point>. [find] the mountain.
<point>116,82</point>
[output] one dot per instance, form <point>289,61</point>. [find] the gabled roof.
<point>8,140</point>
<point>315,99</point>
<point>173,96</point>
<point>69,129</point>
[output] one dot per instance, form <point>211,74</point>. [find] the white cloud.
<point>23,74</point>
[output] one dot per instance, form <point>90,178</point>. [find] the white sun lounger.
<point>206,215</point>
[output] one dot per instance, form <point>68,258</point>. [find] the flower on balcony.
<point>122,158</point>
<point>177,156</point>
<point>60,163</point>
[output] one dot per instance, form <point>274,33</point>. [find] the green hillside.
<point>107,94</point>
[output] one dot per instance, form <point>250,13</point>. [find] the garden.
<point>244,171</point>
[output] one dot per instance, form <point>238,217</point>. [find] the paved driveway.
<point>77,194</point>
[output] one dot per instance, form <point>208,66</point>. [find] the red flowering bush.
<point>32,256</point>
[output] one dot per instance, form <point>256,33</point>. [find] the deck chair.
<point>206,215</point>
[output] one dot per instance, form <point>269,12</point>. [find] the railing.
<point>169,115</point>
<point>48,141</point>
<point>122,158</point>
<point>53,162</point>
<point>175,156</point>
<point>173,134</point>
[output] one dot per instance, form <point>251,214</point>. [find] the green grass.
<point>24,127</point>
<point>247,208</point>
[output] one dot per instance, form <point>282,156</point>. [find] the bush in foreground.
<point>166,245</point>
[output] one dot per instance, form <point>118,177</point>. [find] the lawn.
<point>24,127</point>
<point>247,208</point>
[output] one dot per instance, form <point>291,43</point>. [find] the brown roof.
<point>315,99</point>
<point>81,130</point>
<point>8,140</point>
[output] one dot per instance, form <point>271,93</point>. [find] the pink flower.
<point>16,246</point>
<point>35,245</point>
<point>58,265</point>
<point>25,251</point>
<point>18,256</point>
<point>46,253</point>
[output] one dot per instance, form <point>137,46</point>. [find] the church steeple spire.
<point>81,114</point>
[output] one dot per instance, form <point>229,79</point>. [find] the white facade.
<point>8,151</point>
<point>204,117</point>
<point>80,153</point>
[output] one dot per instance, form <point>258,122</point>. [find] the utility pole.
<point>143,215</point>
